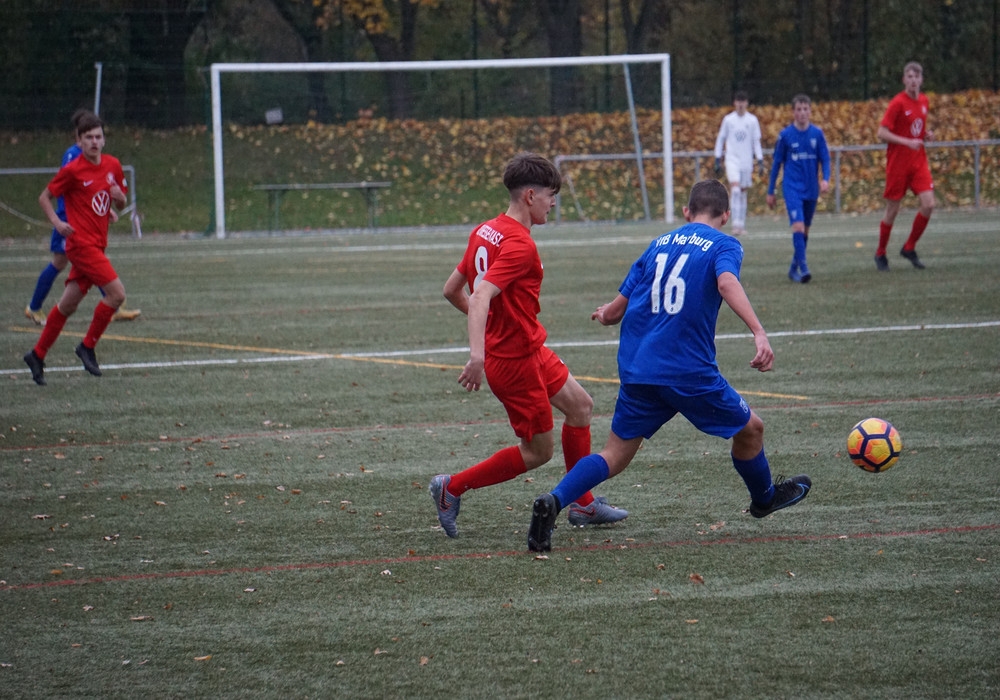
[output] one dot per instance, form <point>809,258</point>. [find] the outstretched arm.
<point>736,297</point>
<point>611,313</point>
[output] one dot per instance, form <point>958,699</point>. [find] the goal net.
<point>332,145</point>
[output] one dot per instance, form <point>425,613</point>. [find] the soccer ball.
<point>874,445</point>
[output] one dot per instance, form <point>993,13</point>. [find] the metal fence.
<point>836,152</point>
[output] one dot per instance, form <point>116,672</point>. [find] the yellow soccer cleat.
<point>37,317</point>
<point>123,314</point>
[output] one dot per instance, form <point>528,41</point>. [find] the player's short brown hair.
<point>708,197</point>
<point>526,169</point>
<point>88,121</point>
<point>801,99</point>
<point>914,66</point>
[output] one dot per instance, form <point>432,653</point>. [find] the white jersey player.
<point>739,138</point>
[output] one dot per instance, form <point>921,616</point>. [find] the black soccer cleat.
<point>911,255</point>
<point>787,492</point>
<point>881,263</point>
<point>37,367</point>
<point>543,520</point>
<point>89,359</point>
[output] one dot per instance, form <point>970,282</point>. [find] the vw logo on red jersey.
<point>916,127</point>
<point>101,203</point>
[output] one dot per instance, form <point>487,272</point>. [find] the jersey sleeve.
<point>824,155</point>
<point>509,264</point>
<point>891,115</point>
<point>59,183</point>
<point>729,259</point>
<point>721,138</point>
<point>776,162</point>
<point>633,277</point>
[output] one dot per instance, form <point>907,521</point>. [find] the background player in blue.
<point>57,244</point>
<point>801,149</point>
<point>668,306</point>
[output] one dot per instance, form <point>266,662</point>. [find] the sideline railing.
<point>129,210</point>
<point>835,151</point>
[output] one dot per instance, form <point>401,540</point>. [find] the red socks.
<point>576,446</point>
<point>99,324</point>
<point>50,331</point>
<point>502,466</point>
<point>508,464</point>
<point>884,230</point>
<point>56,320</point>
<point>919,226</point>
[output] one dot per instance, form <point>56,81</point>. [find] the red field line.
<point>307,566</point>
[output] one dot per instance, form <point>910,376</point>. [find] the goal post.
<point>217,69</point>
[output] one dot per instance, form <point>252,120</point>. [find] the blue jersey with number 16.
<point>668,331</point>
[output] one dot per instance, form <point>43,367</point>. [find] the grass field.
<point>239,508</point>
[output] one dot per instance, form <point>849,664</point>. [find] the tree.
<point>157,38</point>
<point>563,27</point>
<point>389,26</point>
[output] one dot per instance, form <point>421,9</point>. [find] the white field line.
<point>150,249</point>
<point>461,350</point>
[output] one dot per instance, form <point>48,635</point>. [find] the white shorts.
<point>737,172</point>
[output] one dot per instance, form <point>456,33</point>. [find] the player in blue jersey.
<point>668,306</point>
<point>57,244</point>
<point>801,150</point>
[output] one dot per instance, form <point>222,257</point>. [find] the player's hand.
<point>763,361</point>
<point>760,169</point>
<point>64,229</point>
<point>599,316</point>
<point>472,375</point>
<point>771,201</point>
<point>718,166</point>
<point>824,186</point>
<point>915,144</point>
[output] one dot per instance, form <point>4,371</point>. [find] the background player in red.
<point>57,244</point>
<point>503,271</point>
<point>89,185</point>
<point>904,128</point>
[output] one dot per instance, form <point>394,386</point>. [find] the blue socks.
<point>799,240</point>
<point>756,475</point>
<point>43,286</point>
<point>585,475</point>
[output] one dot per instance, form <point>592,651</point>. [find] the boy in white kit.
<point>739,138</point>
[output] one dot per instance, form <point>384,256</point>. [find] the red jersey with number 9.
<point>502,252</point>
<point>906,117</point>
<point>85,188</point>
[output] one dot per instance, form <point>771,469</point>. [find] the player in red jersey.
<point>90,186</point>
<point>502,270</point>
<point>904,128</point>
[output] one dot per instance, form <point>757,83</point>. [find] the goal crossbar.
<point>217,69</point>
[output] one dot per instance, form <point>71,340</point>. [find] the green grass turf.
<point>247,482</point>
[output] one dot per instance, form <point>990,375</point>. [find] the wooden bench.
<point>275,193</point>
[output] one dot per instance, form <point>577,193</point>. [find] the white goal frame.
<point>217,69</point>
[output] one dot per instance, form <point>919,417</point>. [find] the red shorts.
<point>91,267</point>
<point>524,386</point>
<point>916,177</point>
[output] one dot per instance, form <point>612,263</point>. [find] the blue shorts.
<point>800,210</point>
<point>58,243</point>
<point>642,409</point>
